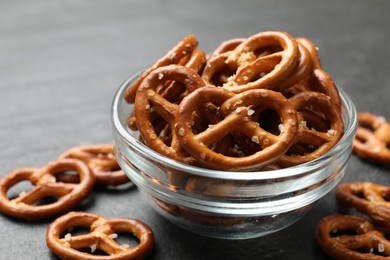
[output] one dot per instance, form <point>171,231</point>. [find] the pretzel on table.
<point>352,237</point>
<point>46,185</point>
<point>101,159</point>
<point>372,139</point>
<point>103,232</point>
<point>237,119</point>
<point>368,198</point>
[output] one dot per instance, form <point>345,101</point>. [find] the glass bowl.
<point>227,204</point>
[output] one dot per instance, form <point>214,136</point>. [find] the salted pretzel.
<point>174,91</point>
<point>182,50</point>
<point>103,232</point>
<point>147,98</point>
<point>236,119</point>
<point>351,237</point>
<point>101,159</point>
<point>320,80</point>
<point>250,71</point>
<point>320,142</point>
<point>372,139</point>
<point>46,186</point>
<point>302,70</point>
<point>368,198</point>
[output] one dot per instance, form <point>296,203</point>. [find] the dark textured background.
<point>62,61</point>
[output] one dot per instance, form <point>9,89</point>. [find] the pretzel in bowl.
<point>46,186</point>
<point>174,91</point>
<point>236,111</point>
<point>209,133</point>
<point>319,80</point>
<point>372,139</point>
<point>179,54</point>
<point>101,159</point>
<point>351,237</point>
<point>318,142</point>
<point>103,232</point>
<point>249,71</point>
<point>368,198</point>
<point>149,100</point>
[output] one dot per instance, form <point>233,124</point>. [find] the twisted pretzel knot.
<point>319,141</point>
<point>252,72</point>
<point>351,237</point>
<point>372,138</point>
<point>101,237</point>
<point>236,113</point>
<point>101,159</point>
<point>368,198</point>
<point>148,98</point>
<point>45,185</point>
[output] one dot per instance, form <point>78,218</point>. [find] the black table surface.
<point>62,61</point>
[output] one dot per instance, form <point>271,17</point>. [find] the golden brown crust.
<point>372,138</point>
<point>351,237</point>
<point>101,237</point>
<point>101,159</point>
<point>243,67</point>
<point>46,186</point>
<point>368,198</point>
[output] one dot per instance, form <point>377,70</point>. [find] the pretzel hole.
<point>127,239</point>
<point>19,189</point>
<point>367,126</point>
<point>270,121</point>
<point>343,232</point>
<point>46,200</point>
<point>300,149</point>
<point>244,146</point>
<point>163,131</point>
<point>68,177</point>
<point>222,77</point>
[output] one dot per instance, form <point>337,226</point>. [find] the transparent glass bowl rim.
<point>349,115</point>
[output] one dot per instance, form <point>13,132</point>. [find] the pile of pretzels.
<point>257,103</point>
<point>58,188</point>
